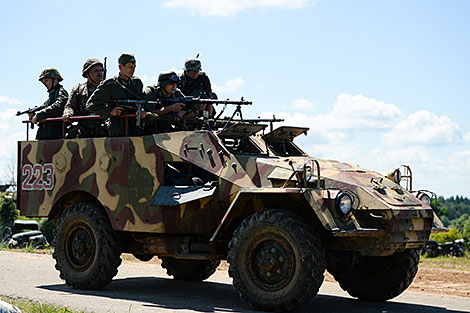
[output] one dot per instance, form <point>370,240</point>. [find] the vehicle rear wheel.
<point>85,247</point>
<point>380,278</point>
<point>276,261</point>
<point>192,270</point>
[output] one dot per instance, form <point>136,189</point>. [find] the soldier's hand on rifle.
<point>116,111</point>
<point>176,107</point>
<point>179,116</point>
<point>33,118</point>
<point>66,117</point>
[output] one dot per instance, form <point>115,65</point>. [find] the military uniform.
<point>199,87</point>
<point>154,92</point>
<point>52,107</point>
<point>76,106</point>
<point>102,102</point>
<point>152,125</point>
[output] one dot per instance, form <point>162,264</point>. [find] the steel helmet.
<point>50,73</point>
<point>192,64</point>
<point>167,77</point>
<point>88,64</point>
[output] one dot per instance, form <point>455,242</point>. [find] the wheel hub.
<point>80,247</point>
<point>272,262</point>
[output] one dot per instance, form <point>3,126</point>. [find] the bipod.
<point>237,110</point>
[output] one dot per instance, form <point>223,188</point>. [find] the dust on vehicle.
<point>228,190</point>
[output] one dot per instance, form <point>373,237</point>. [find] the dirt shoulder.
<point>445,275</point>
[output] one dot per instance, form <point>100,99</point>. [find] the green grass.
<point>28,249</point>
<point>448,262</point>
<point>27,306</point>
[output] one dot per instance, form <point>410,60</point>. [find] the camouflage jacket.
<point>52,107</point>
<point>76,104</point>
<point>199,87</point>
<point>154,92</point>
<point>102,102</point>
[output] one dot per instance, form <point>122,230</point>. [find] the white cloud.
<point>232,7</point>
<point>231,85</point>
<point>11,131</point>
<point>9,101</point>
<point>424,127</point>
<point>462,156</point>
<point>302,105</point>
<point>410,155</point>
<point>349,116</point>
<point>466,137</point>
<point>360,112</point>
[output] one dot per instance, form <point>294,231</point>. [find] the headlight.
<point>395,176</point>
<point>343,203</point>
<point>425,199</point>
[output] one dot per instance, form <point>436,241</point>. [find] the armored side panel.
<point>124,175</point>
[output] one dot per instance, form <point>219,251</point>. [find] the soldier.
<point>52,107</point>
<point>123,86</point>
<point>165,88</point>
<point>195,83</point>
<point>76,105</point>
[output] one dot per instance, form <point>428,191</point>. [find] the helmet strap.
<point>90,80</point>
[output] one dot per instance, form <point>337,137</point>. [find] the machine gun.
<point>133,105</point>
<point>28,111</point>
<point>191,104</point>
<point>271,121</point>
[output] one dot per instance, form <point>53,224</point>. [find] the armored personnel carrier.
<point>226,190</point>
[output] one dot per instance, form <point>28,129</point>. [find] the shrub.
<point>47,228</point>
<point>463,225</point>
<point>446,237</point>
<point>8,211</point>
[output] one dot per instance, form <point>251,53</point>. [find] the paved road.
<point>141,288</point>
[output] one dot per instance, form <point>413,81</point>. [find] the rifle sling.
<point>128,90</point>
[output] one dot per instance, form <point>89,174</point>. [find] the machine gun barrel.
<point>271,121</point>
<point>263,120</point>
<point>185,100</point>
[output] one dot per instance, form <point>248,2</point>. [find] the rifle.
<point>192,104</point>
<point>32,110</point>
<point>134,106</point>
<point>28,111</point>
<point>104,68</point>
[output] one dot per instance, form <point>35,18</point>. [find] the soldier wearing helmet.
<point>165,88</point>
<point>124,86</point>
<point>76,104</point>
<point>52,107</point>
<point>195,83</point>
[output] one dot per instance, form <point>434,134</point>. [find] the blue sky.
<point>380,83</point>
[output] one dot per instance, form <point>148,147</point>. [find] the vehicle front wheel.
<point>276,261</point>
<point>380,278</point>
<point>85,247</point>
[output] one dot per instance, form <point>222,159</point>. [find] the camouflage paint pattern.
<point>125,173</point>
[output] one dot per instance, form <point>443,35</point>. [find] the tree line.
<point>454,212</point>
